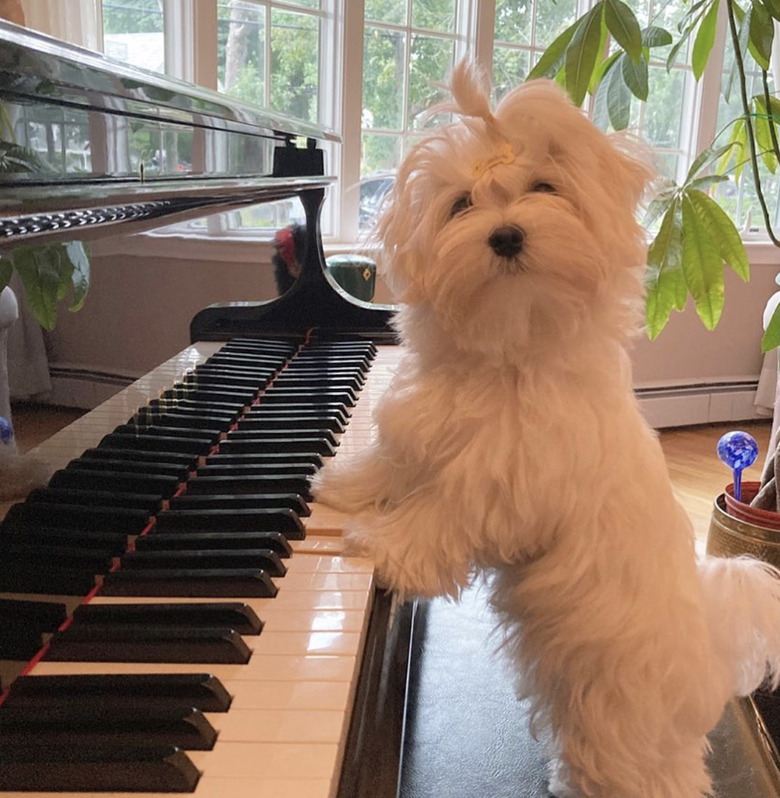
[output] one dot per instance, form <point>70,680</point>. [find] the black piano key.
<point>95,476</point>
<point>54,495</point>
<point>299,408</point>
<point>273,520</point>
<point>208,376</point>
<point>260,433</point>
<point>312,397</point>
<point>87,724</point>
<point>310,459</point>
<point>263,445</point>
<point>286,346</point>
<point>46,579</point>
<point>189,583</point>
<point>246,501</point>
<point>246,371</point>
<point>72,516</point>
<point>113,542</point>
<point>246,466</point>
<point>33,552</point>
<point>170,541</point>
<point>212,433</point>
<point>22,624</point>
<point>152,461</point>
<point>155,443</point>
<point>231,614</point>
<point>200,690</point>
<point>260,421</point>
<point>213,394</point>
<point>241,360</point>
<point>183,418</point>
<point>144,643</point>
<point>42,768</point>
<point>252,484</point>
<point>310,370</point>
<point>167,404</point>
<point>290,380</point>
<point>265,559</point>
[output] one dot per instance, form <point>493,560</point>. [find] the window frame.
<point>191,54</point>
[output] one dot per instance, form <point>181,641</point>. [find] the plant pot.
<point>730,536</point>
<point>744,512</point>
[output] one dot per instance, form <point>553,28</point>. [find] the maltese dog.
<point>510,444</point>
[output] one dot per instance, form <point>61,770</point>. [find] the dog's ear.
<point>628,167</point>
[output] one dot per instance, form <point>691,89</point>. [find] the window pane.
<point>664,107</point>
<point>381,152</point>
<point>383,78</point>
<point>133,32</point>
<point>431,60</point>
<point>513,22</point>
<point>438,15</point>
<point>552,19</point>
<point>295,44</point>
<point>241,50</point>
<point>393,11</point>
<point>510,67</point>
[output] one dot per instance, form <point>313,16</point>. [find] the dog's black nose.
<point>507,241</point>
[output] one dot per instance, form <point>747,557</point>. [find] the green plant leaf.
<point>39,269</point>
<point>653,36</point>
<point>582,53</point>
<point>702,266</point>
<point>623,25</point>
<point>773,8</point>
<point>762,130</point>
<point>771,337</point>
<point>762,32</point>
<point>618,98</point>
<point>701,183</point>
<point>665,283</point>
<point>6,270</point>
<point>705,38</point>
<point>547,65</point>
<point>635,77</point>
<point>706,157</point>
<point>722,232</point>
<point>77,254</point>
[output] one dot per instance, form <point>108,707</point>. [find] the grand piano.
<point>176,614</point>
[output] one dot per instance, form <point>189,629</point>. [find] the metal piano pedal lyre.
<point>177,614</point>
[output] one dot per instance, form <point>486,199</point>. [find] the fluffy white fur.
<point>19,474</point>
<point>511,443</point>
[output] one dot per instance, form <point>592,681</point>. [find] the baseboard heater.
<point>700,403</point>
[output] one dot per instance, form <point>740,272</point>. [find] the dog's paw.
<point>19,474</point>
<point>558,784</point>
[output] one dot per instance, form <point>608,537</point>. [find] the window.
<point>369,69</point>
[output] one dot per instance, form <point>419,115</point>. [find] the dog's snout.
<point>507,241</point>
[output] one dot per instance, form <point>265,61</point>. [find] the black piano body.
<point>238,156</point>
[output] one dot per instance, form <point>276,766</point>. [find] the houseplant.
<point>49,272</point>
<point>605,53</point>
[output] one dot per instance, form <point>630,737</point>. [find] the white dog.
<point>511,443</point>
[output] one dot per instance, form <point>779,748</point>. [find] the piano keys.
<point>291,672</point>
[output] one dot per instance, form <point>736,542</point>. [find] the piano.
<point>176,614</point>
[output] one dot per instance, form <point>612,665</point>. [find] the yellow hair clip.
<point>507,155</point>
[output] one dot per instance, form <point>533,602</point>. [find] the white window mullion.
<point>481,32</point>
<point>351,117</point>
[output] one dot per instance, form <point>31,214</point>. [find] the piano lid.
<point>87,142</point>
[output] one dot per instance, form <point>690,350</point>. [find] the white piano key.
<point>211,787</point>
<point>278,726</point>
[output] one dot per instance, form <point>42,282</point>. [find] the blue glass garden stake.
<point>6,430</point>
<point>737,450</point>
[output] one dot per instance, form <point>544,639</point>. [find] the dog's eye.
<point>544,188</point>
<point>462,203</point>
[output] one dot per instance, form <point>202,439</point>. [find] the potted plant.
<point>606,52</point>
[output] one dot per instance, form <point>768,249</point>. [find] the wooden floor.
<point>696,472</point>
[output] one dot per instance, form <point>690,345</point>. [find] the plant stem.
<point>749,122</point>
